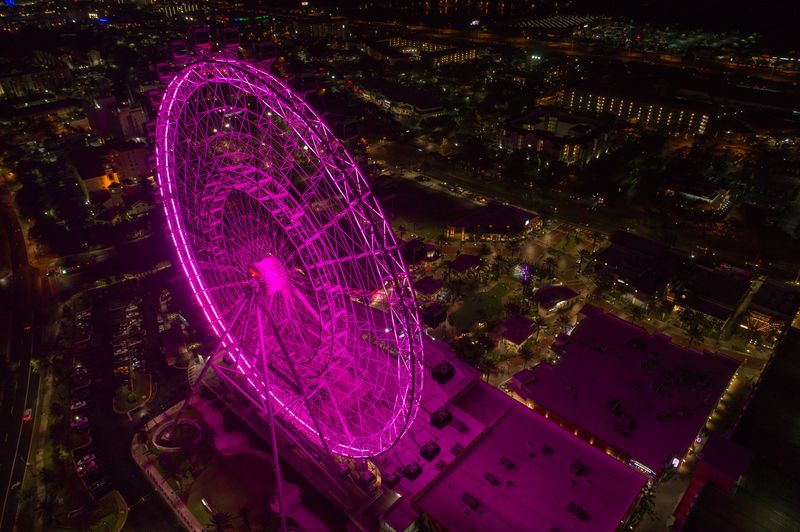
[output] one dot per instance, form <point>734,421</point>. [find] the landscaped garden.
<point>477,307</point>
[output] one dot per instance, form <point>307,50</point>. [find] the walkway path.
<point>160,484</point>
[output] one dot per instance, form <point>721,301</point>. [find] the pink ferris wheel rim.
<point>290,258</point>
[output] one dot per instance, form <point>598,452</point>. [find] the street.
<point>20,299</point>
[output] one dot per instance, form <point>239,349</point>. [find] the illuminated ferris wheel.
<point>290,257</point>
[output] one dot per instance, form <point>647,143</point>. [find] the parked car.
<point>27,416</point>
<point>86,469</point>
<point>99,484</point>
<point>86,459</point>
<point>78,422</point>
<point>77,405</point>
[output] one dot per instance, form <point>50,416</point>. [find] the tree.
<point>244,515</point>
<point>585,256</point>
<point>637,313</point>
<point>550,265</point>
<point>220,521</point>
<point>488,365</point>
<point>46,510</point>
<point>526,354</point>
<point>603,283</point>
<point>562,321</point>
<point>693,324</point>
<point>596,237</point>
<point>513,248</point>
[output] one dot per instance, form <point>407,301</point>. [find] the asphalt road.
<point>572,49</point>
<point>21,296</point>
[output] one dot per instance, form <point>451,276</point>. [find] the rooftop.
<point>556,125</point>
<point>549,295</point>
<point>638,392</point>
<point>777,299</point>
<point>726,456</point>
<point>517,329</point>
<point>715,291</point>
<point>525,473</point>
<point>397,92</point>
<point>495,217</point>
<point>473,427</point>
<point>465,262</point>
<point>428,285</point>
<point>645,265</point>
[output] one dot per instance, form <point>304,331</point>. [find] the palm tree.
<point>596,237</point>
<point>244,514</point>
<point>513,247</point>
<point>693,324</point>
<point>46,510</point>
<point>585,256</point>
<point>220,521</point>
<point>550,265</point>
<point>488,365</point>
<point>401,230</point>
<point>562,321</point>
<point>637,313</point>
<point>526,354</point>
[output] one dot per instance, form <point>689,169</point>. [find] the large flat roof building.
<point>642,267</point>
<point>636,395</point>
<point>525,473</point>
<point>475,459</point>
<point>493,221</point>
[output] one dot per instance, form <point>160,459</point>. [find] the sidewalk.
<point>138,452</point>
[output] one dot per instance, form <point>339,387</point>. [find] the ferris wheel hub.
<point>270,274</point>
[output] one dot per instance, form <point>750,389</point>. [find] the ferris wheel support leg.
<point>297,381</point>
<point>197,383</point>
<point>272,426</point>
<point>215,354</point>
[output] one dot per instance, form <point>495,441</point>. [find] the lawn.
<point>566,243</point>
<point>126,399</point>
<point>488,303</point>
<point>231,483</point>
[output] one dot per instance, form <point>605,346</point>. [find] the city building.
<point>400,100</point>
<point>321,27</point>
<point>132,120</point>
<point>415,46</point>
<point>552,298</point>
<point>561,136</point>
<point>417,250</point>
<point>476,460</point>
<point>447,57</point>
<point>698,195</point>
<point>100,167</point>
<point>716,292</point>
<point>18,82</point>
<point>721,466</point>
<point>640,109</point>
<point>639,397</point>
<point>765,497</point>
<point>640,268</point>
<point>428,288</point>
<point>493,222</point>
<point>464,264</point>
<point>516,330</point>
<point>773,309</point>
<point>95,174</point>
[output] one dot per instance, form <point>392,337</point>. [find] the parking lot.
<point>115,344</point>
